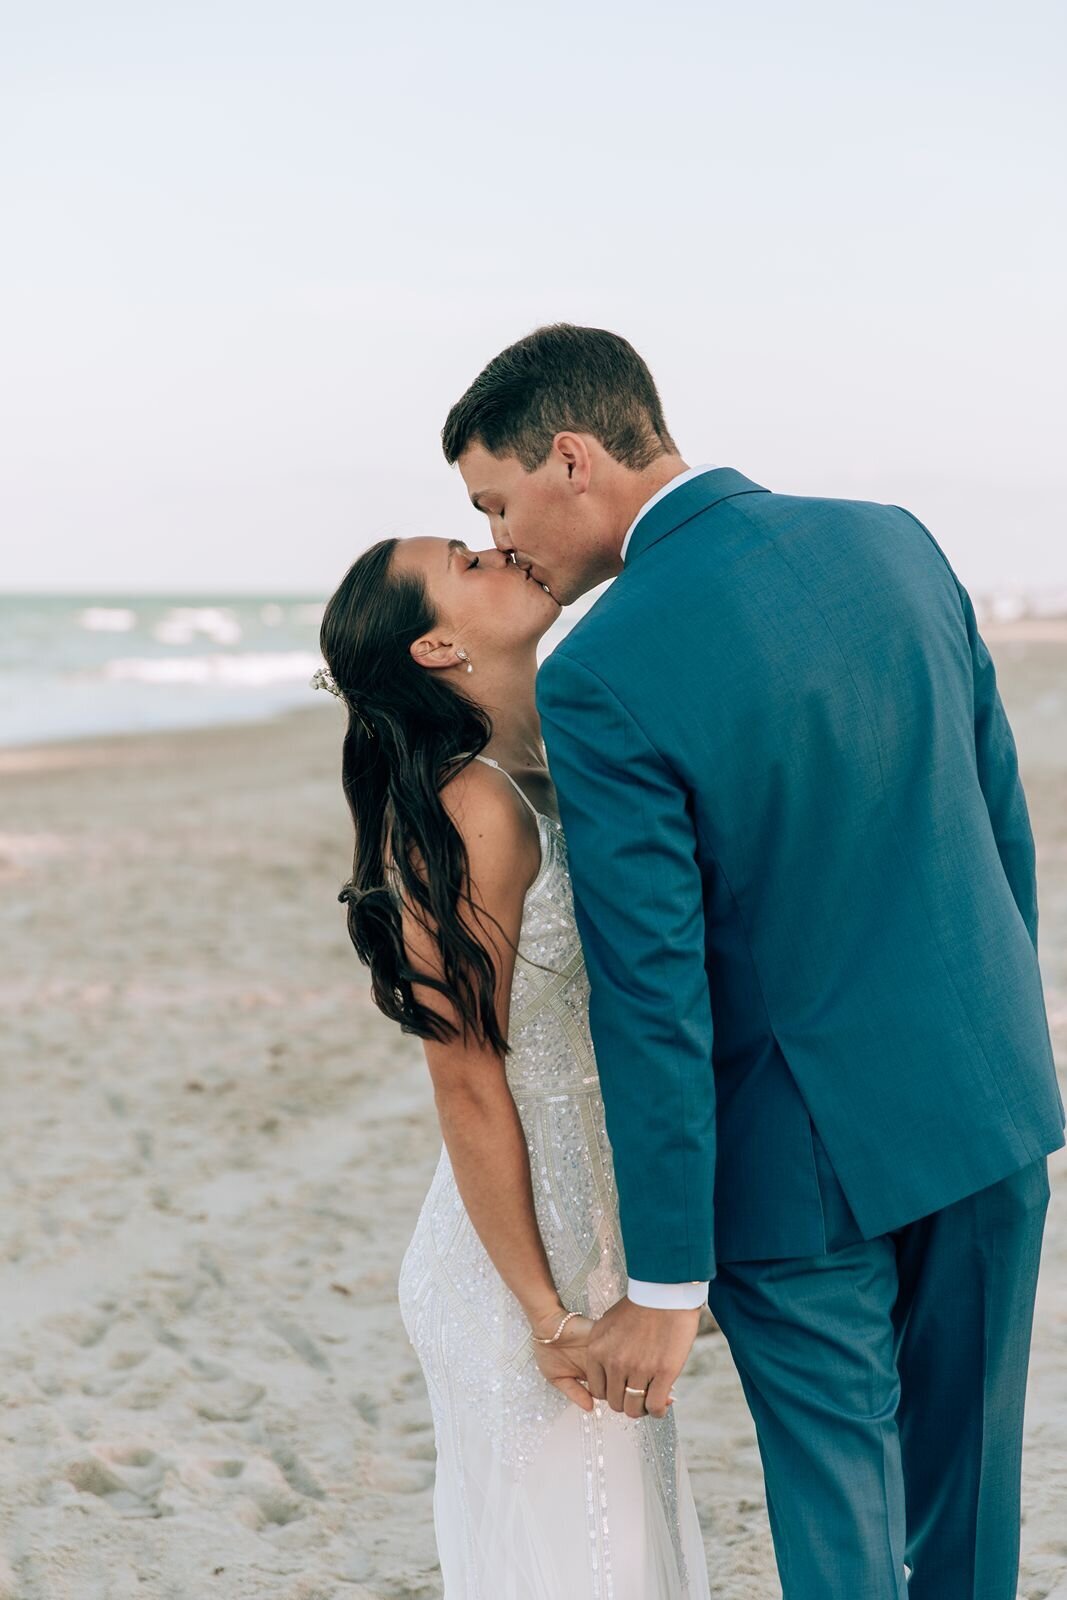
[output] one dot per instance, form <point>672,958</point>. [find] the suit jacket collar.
<point>684,503</point>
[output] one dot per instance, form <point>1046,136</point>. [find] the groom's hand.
<point>638,1347</point>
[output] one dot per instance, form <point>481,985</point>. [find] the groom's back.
<point>810,671</point>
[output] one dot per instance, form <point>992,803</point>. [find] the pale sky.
<point>253,252</point>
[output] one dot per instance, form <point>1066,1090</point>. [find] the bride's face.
<point>482,599</point>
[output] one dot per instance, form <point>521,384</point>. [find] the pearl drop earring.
<point>463,656</point>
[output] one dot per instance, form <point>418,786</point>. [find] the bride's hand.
<point>563,1363</point>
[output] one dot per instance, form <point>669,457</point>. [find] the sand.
<point>214,1150</point>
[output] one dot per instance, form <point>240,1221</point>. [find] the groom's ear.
<point>433,652</point>
<point>572,451</point>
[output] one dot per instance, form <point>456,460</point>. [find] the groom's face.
<point>544,517</point>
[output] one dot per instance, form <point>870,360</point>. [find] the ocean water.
<point>76,665</point>
<point>72,666</point>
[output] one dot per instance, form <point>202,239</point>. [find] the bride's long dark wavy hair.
<point>408,733</point>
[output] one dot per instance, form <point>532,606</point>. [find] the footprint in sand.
<point>298,1476</point>
<point>368,1408</point>
<point>268,1497</point>
<point>298,1341</point>
<point>83,1328</point>
<point>262,1489</point>
<point>220,1395</point>
<point>127,1477</point>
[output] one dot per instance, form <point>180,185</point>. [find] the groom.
<point>804,879</point>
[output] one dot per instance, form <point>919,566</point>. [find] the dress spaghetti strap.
<point>491,763</point>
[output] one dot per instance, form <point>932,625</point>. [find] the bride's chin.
<point>535,623</point>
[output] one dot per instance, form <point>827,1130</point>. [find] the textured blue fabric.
<point>804,878</point>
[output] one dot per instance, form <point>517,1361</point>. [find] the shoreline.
<point>97,748</point>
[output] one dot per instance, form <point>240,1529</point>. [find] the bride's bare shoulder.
<point>497,828</point>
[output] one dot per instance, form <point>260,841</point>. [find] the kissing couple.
<point>720,933</point>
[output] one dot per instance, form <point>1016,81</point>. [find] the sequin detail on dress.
<point>513,1455</point>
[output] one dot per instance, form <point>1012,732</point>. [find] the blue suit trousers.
<point>887,1379</point>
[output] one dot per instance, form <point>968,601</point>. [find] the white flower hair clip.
<point>324,679</point>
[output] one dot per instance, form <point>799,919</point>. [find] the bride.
<point>460,905</point>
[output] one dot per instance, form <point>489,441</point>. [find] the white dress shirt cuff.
<point>667,1296</point>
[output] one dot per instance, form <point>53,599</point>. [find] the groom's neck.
<point>637,488</point>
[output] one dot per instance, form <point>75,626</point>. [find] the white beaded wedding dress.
<point>535,1499</point>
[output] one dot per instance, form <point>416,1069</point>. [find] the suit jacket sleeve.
<point>640,912</point>
<point>998,773</point>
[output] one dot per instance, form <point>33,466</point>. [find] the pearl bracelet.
<point>558,1331</point>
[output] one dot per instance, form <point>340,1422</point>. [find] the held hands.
<point>631,1346</point>
<point>635,1347</point>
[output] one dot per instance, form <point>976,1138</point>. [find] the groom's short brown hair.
<point>561,377</point>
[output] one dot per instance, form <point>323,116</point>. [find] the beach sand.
<point>214,1150</point>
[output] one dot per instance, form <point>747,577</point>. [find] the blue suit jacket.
<point>803,874</point>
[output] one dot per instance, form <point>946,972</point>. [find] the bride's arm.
<point>479,1123</point>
